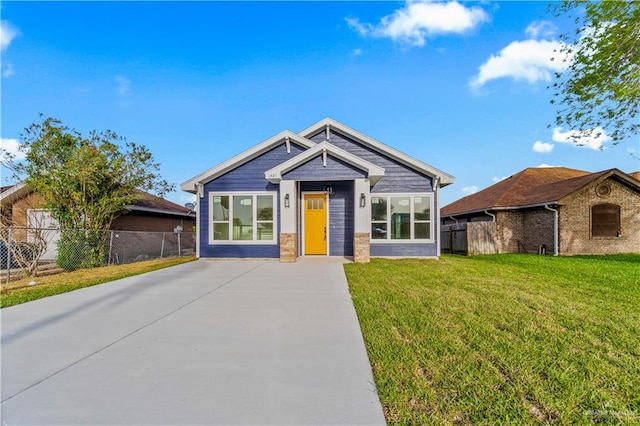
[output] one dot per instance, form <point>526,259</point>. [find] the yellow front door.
<point>315,224</point>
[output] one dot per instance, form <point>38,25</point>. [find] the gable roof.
<point>150,203</point>
<point>373,172</point>
<point>10,194</point>
<point>534,186</point>
<point>244,157</point>
<point>417,165</point>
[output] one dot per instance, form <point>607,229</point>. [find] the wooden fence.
<point>469,238</point>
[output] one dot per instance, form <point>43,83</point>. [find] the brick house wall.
<point>147,223</point>
<point>537,225</point>
<point>575,221</point>
<point>509,231</point>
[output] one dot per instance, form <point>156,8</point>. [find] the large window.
<point>242,217</point>
<point>605,220</point>
<point>401,217</point>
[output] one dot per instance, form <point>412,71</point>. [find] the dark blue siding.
<point>397,177</point>
<point>340,216</point>
<point>313,169</point>
<point>247,177</point>
<point>341,219</point>
<point>406,249</point>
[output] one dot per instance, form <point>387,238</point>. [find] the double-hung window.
<point>242,217</point>
<point>401,217</point>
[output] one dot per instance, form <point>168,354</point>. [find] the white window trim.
<point>230,194</point>
<point>411,195</point>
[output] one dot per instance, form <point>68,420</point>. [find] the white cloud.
<point>123,85</point>
<point>414,22</point>
<point>468,190</point>
<point>528,60</point>
<point>356,52</point>
<point>542,147</point>
<point>7,70</point>
<point>498,179</point>
<point>543,165</point>
<point>7,34</point>
<point>594,139</point>
<point>538,29</point>
<point>12,147</point>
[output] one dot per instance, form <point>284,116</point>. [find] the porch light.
<point>286,201</point>
<point>363,200</point>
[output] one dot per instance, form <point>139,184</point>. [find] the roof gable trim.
<point>445,178</point>
<point>324,148</point>
<point>226,166</point>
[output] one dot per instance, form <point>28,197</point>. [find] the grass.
<point>505,339</point>
<point>20,291</point>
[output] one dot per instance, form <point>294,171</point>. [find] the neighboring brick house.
<point>22,208</point>
<point>150,213</point>
<point>565,211</point>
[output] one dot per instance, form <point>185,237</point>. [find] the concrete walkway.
<point>208,342</point>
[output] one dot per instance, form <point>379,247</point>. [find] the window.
<point>605,220</point>
<point>401,217</point>
<point>242,217</point>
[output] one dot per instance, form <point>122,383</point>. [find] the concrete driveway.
<point>208,342</point>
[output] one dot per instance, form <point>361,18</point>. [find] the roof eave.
<point>417,165</point>
<point>16,192</point>
<point>501,208</point>
<point>242,158</point>
<point>135,208</point>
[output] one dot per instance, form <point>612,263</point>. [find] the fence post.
<point>162,246</point>
<point>9,255</point>
<point>110,248</point>
<point>451,231</point>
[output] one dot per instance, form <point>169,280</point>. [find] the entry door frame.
<point>302,222</point>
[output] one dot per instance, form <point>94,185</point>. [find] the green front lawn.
<point>505,339</point>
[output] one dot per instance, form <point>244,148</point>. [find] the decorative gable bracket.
<point>374,173</point>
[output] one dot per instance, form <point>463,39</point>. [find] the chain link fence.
<point>38,251</point>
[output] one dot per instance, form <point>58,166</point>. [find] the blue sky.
<point>460,86</point>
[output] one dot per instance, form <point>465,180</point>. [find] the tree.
<point>600,88</point>
<point>85,182</point>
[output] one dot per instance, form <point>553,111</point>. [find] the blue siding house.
<point>328,190</point>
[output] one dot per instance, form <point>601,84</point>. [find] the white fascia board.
<point>17,191</point>
<point>374,172</point>
<point>445,178</point>
<point>243,157</point>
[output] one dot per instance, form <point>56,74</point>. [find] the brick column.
<point>288,247</point>
<point>361,250</point>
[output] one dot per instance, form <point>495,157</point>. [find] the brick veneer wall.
<point>524,231</point>
<point>538,229</point>
<point>575,221</point>
<point>361,247</point>
<point>288,247</point>
<point>140,222</point>
<point>509,230</point>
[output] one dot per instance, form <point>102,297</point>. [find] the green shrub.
<point>79,249</point>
